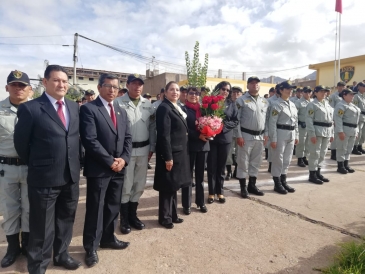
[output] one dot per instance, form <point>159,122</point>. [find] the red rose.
<point>209,99</point>
<point>215,99</point>
<point>214,106</point>
<point>204,105</point>
<point>220,98</point>
<point>205,100</point>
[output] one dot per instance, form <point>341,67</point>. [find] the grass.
<point>350,260</point>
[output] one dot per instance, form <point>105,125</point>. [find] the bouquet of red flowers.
<point>211,121</point>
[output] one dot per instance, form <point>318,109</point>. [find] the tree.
<point>197,74</point>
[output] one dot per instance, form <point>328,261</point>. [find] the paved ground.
<point>292,233</point>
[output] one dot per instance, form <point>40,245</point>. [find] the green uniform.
<point>270,101</point>
<point>359,101</point>
<point>334,99</point>
<point>302,146</point>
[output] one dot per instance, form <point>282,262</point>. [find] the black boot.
<point>234,175</point>
<point>301,162</point>
<point>266,153</point>
<point>294,150</point>
<point>125,228</point>
<point>341,168</point>
<point>320,176</point>
<point>356,151</point>
<point>244,192</point>
<point>305,160</point>
<point>314,179</point>
<point>229,172</point>
<point>252,188</point>
<point>269,169</point>
<point>359,148</point>
<point>25,240</point>
<point>13,250</point>
<point>133,219</point>
<point>285,184</point>
<point>346,165</point>
<point>278,186</point>
<point>333,155</point>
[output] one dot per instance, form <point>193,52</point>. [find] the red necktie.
<point>60,113</point>
<point>112,115</point>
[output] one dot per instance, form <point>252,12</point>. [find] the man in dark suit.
<point>105,134</point>
<point>46,138</point>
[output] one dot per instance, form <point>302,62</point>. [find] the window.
<point>81,78</point>
<point>91,79</point>
<point>70,77</point>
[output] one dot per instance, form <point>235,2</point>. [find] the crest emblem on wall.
<point>346,73</point>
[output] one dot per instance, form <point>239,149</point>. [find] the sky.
<point>260,37</point>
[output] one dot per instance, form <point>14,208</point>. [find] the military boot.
<point>320,176</point>
<point>359,148</point>
<point>244,192</point>
<point>356,151</point>
<point>266,153</point>
<point>25,240</point>
<point>341,168</point>
<point>234,175</point>
<point>125,227</point>
<point>305,160</point>
<point>133,219</point>
<point>252,188</point>
<point>278,186</point>
<point>285,184</point>
<point>333,155</point>
<point>301,162</point>
<point>314,179</point>
<point>229,172</point>
<point>269,169</point>
<point>346,165</point>
<point>13,250</point>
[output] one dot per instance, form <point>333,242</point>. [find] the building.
<point>352,69</point>
<point>156,82</point>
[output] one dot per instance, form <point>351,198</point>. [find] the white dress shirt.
<point>64,108</point>
<point>106,104</point>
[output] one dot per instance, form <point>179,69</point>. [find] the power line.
<point>36,36</point>
<point>8,44</point>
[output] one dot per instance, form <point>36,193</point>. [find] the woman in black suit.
<point>172,155</point>
<point>221,145</point>
<point>198,149</point>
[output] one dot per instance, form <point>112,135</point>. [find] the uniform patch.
<point>310,112</point>
<point>238,105</point>
<point>274,112</point>
<point>340,112</point>
<point>17,74</point>
<point>247,101</point>
<point>152,117</point>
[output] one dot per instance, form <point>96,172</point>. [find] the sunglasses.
<point>226,89</point>
<point>196,93</point>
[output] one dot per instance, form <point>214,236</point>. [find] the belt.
<point>252,132</point>
<point>349,125</point>
<point>363,112</point>
<point>12,161</point>
<point>322,124</point>
<point>300,123</point>
<point>286,127</point>
<point>140,144</point>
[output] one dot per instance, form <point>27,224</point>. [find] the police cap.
<point>17,76</point>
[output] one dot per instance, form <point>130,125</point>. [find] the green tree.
<point>197,74</point>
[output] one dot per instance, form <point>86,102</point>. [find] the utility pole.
<point>75,57</point>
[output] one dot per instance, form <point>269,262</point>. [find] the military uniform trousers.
<point>135,179</point>
<point>302,146</point>
<point>249,158</point>
<point>361,138</point>
<point>233,151</point>
<point>14,199</point>
<point>317,152</point>
<point>333,144</point>
<point>344,148</point>
<point>282,155</point>
<point>269,152</point>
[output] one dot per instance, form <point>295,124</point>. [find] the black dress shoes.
<point>91,258</point>
<point>167,225</point>
<point>222,199</point>
<point>115,245</point>
<point>211,199</point>
<point>178,221</point>
<point>70,263</point>
<point>203,209</point>
<point>187,210</point>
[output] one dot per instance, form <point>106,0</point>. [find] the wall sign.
<point>346,73</point>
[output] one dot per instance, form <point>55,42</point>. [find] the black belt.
<point>322,124</point>
<point>300,123</point>
<point>286,127</point>
<point>349,125</point>
<point>252,132</point>
<point>363,112</point>
<point>140,144</point>
<point>12,161</point>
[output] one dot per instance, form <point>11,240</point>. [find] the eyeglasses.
<point>226,89</point>
<point>196,93</point>
<point>110,86</point>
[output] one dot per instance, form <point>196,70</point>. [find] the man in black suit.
<point>105,134</point>
<point>46,138</point>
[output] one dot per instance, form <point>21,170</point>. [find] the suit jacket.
<point>172,144</point>
<point>41,140</point>
<point>102,142</point>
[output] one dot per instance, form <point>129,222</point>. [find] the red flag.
<point>339,6</point>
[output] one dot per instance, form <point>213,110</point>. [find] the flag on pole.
<point>339,6</point>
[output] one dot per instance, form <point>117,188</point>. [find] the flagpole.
<point>335,71</point>
<point>339,47</point>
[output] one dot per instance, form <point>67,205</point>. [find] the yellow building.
<point>352,69</point>
<point>212,82</point>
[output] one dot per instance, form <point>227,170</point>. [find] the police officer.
<point>250,131</point>
<point>302,147</point>
<point>359,101</point>
<point>89,95</point>
<point>283,134</point>
<point>142,125</point>
<point>13,171</point>
<point>346,117</point>
<point>183,96</point>
<point>298,95</point>
<point>334,99</point>
<point>319,122</point>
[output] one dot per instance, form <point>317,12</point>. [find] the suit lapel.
<point>50,110</point>
<point>72,114</point>
<point>174,110</point>
<point>106,115</point>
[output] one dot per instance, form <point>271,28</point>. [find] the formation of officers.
<point>121,129</point>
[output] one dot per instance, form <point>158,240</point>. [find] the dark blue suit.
<point>103,142</point>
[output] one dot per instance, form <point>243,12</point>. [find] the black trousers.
<point>217,158</point>
<point>167,206</point>
<point>51,217</point>
<point>197,159</point>
<point>103,197</point>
